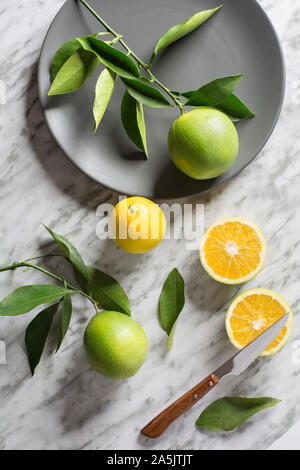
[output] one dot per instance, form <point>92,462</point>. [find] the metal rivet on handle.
<point>210,383</point>
<point>195,396</point>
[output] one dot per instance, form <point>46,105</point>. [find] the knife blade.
<point>242,359</point>
<point>234,366</point>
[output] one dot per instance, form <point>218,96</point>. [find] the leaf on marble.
<point>37,334</point>
<point>65,318</point>
<point>171,302</point>
<point>26,298</point>
<point>70,251</point>
<point>171,337</point>
<point>105,290</point>
<point>228,413</point>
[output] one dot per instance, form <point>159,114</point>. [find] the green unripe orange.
<point>203,143</point>
<point>115,345</point>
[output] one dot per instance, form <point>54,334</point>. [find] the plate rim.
<point>194,194</point>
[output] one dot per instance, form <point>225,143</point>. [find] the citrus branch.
<point>27,264</point>
<point>141,63</point>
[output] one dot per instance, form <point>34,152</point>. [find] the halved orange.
<point>251,313</point>
<point>233,250</point>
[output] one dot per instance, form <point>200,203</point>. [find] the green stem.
<point>48,273</point>
<point>43,256</point>
<point>138,60</point>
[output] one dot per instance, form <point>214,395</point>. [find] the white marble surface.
<point>68,406</point>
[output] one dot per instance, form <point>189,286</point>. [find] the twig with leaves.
<point>102,290</point>
<point>78,58</point>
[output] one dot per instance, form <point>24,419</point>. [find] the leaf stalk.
<point>60,279</point>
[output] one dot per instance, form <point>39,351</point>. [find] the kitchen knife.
<point>234,366</point>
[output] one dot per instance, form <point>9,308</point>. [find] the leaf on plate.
<point>26,298</point>
<point>146,94</point>
<point>104,89</point>
<point>228,413</point>
<point>171,302</point>
<point>63,53</point>
<point>70,251</point>
<point>132,115</point>
<point>37,334</point>
<point>114,59</point>
<point>235,108</point>
<point>180,30</point>
<point>74,72</point>
<point>65,318</point>
<point>213,93</point>
<point>105,290</point>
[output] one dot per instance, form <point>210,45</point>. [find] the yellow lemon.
<point>251,313</point>
<point>233,250</point>
<point>137,224</point>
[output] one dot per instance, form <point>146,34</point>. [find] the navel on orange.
<point>233,250</point>
<point>251,313</point>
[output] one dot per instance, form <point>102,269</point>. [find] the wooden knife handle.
<point>160,423</point>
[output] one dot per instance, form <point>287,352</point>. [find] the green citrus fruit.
<point>115,345</point>
<point>203,143</point>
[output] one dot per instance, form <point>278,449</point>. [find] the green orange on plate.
<point>203,143</point>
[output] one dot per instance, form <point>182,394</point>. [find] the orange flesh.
<point>232,250</point>
<point>253,315</point>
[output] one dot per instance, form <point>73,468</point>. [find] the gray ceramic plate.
<point>238,39</point>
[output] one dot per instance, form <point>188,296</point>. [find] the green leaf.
<point>228,413</point>
<point>114,59</point>
<point>26,298</point>
<point>103,91</point>
<point>235,108</point>
<point>132,115</point>
<point>105,290</point>
<point>215,92</point>
<point>171,337</point>
<point>37,334</point>
<point>171,300</point>
<point>63,53</point>
<point>70,251</point>
<point>180,30</point>
<point>146,94</point>
<point>74,72</point>
<point>66,313</point>
<point>232,106</point>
